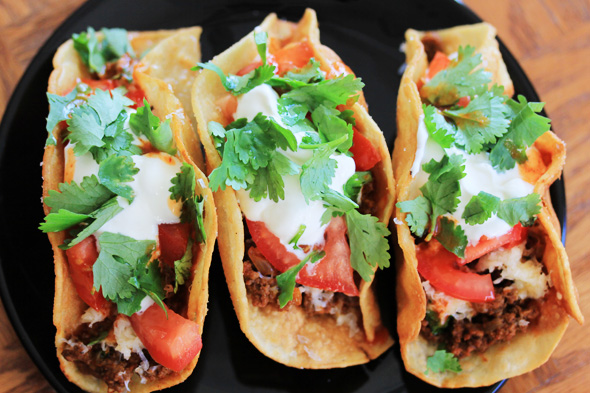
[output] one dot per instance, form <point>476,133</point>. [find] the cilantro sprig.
<point>159,133</point>
<point>441,362</point>
<point>286,280</point>
<point>183,189</point>
<point>95,53</point>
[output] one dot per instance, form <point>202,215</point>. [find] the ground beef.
<point>432,44</point>
<point>86,333</point>
<point>109,364</point>
<point>264,290</point>
<point>368,204</point>
<point>339,303</point>
<point>494,322</point>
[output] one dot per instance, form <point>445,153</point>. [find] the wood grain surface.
<point>550,39</point>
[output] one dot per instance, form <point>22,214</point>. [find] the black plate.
<point>366,34</point>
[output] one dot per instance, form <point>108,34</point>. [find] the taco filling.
<point>473,211</point>
<point>131,218</point>
<point>302,176</point>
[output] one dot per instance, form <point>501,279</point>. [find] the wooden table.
<point>550,39</point>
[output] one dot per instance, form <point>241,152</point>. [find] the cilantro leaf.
<point>116,43</point>
<point>458,80</point>
<point>183,188</point>
<point>116,170</point>
<point>63,219</point>
<point>480,208</point>
<point>85,129</point>
<point>217,132</point>
<point>237,85</point>
<point>418,217</point>
<point>452,237</point>
<point>317,173</point>
<point>291,112</point>
<point>297,236</point>
<point>523,210</point>
<point>260,38</point>
<point>525,127</point>
<point>442,361</point>
<point>481,122</point>
<point>298,77</point>
<point>89,50</point>
<point>352,187</point>
<point>59,110</point>
<point>331,127</point>
<point>108,104</point>
<point>182,267</point>
<point>81,199</point>
<point>286,280</point>
<point>368,243</point>
<point>158,133</point>
<point>441,131</point>
<point>269,180</point>
<point>330,92</point>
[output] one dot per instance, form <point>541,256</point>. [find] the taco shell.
<point>68,307</point>
<point>290,337</point>
<point>527,350</point>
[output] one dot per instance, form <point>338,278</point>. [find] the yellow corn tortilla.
<point>68,69</point>
<point>527,350</point>
<point>290,337</point>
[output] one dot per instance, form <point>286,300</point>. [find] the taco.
<point>129,216</point>
<point>302,223</point>
<point>484,287</point>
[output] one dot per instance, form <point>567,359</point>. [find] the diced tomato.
<point>293,55</point>
<point>249,68</point>
<point>102,84</point>
<point>439,62</point>
<point>474,251</point>
<point>228,104</point>
<point>439,266</point>
<point>464,101</point>
<point>173,239</point>
<point>134,92</point>
<point>332,273</point>
<point>364,153</point>
<point>81,258</point>
<point>172,342</point>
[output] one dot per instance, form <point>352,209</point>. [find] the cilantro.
<point>116,170</point>
<point>158,133</point>
<point>330,92</point>
<point>336,204</point>
<point>480,123</point>
<point>480,208</point>
<point>419,211</point>
<point>291,112</point>
<point>81,199</point>
<point>368,243</point>
<point>459,79</point>
<point>183,188</point>
<point>182,267</point>
<point>521,210</point>
<point>297,236</point>
<point>237,85</point>
<point>95,54</point>
<point>452,237</point>
<point>441,131</point>
<point>63,219</point>
<point>59,110</point>
<point>317,173</point>
<point>286,280</point>
<point>353,186</point>
<point>123,272</point>
<point>260,38</point>
<point>217,132</point>
<point>310,73</point>
<point>525,127</point>
<point>442,361</point>
<point>331,126</point>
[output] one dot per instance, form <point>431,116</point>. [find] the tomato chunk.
<point>171,342</point>
<point>332,273</point>
<point>365,155</point>
<point>474,251</point>
<point>439,62</point>
<point>293,55</point>
<point>134,92</point>
<point>173,239</point>
<point>81,258</point>
<point>439,266</point>
<point>464,101</point>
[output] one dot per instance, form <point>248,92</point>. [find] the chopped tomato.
<point>439,62</point>
<point>364,153</point>
<point>81,258</point>
<point>293,55</point>
<point>464,101</point>
<point>173,342</point>
<point>439,267</point>
<point>134,92</point>
<point>173,239</point>
<point>474,251</point>
<point>228,105</point>
<point>249,68</point>
<point>332,273</point>
<point>102,84</point>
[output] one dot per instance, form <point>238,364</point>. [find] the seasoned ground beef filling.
<point>496,321</point>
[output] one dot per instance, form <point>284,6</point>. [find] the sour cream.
<point>480,176</point>
<point>285,217</point>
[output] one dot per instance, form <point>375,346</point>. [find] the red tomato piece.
<point>102,84</point>
<point>464,101</point>
<point>81,258</point>
<point>474,251</point>
<point>332,273</point>
<point>439,266</point>
<point>228,104</point>
<point>293,55</point>
<point>173,239</point>
<point>364,153</point>
<point>135,94</point>
<point>249,68</point>
<point>173,342</point>
<point>439,62</point>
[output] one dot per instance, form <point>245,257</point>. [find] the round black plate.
<point>366,34</point>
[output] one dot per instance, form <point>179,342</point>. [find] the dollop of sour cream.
<point>480,175</point>
<point>285,217</point>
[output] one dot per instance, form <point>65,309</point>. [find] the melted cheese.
<point>127,340</point>
<point>447,306</point>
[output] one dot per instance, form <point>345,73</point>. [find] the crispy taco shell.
<point>290,337</point>
<point>68,307</point>
<point>527,350</point>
